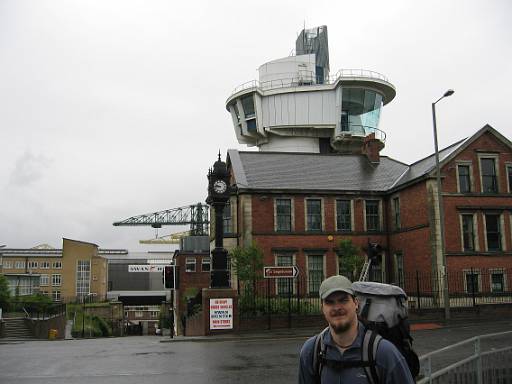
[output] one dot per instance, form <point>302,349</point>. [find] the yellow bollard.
<point>52,334</point>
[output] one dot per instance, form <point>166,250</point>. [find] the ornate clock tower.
<point>218,195</point>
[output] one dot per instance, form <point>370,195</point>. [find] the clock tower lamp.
<point>218,195</point>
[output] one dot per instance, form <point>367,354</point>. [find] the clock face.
<point>220,186</point>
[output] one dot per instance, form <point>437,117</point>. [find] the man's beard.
<point>341,328</point>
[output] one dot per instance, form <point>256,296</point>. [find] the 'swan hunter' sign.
<point>221,313</point>
<point>145,268</point>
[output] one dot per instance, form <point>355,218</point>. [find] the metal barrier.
<point>490,361</point>
<point>308,78</point>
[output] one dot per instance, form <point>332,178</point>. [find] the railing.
<point>468,288</point>
<point>363,131</point>
<point>297,297</point>
<point>38,310</point>
<point>490,361</point>
<point>308,78</point>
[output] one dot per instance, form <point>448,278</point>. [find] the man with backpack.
<point>346,352</point>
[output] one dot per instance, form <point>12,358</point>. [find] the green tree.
<point>247,263</point>
<point>5,294</point>
<point>351,259</point>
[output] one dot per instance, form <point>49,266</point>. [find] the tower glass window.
<point>360,111</point>
<point>489,180</point>
<point>283,215</point>
<point>314,215</point>
<point>343,215</point>
<point>248,105</point>
<point>464,179</point>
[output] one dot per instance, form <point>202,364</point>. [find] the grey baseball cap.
<point>335,284</point>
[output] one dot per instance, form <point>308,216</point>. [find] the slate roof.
<point>284,171</point>
<point>310,171</point>
<point>428,164</point>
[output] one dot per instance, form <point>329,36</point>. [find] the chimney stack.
<point>371,148</point>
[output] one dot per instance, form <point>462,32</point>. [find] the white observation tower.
<point>298,106</point>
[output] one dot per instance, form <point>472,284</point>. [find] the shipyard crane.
<point>195,215</point>
<point>172,238</point>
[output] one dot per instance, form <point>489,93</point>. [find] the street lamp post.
<point>444,271</point>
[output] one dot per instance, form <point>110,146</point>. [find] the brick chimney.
<point>371,148</point>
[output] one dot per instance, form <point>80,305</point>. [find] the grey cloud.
<point>28,169</point>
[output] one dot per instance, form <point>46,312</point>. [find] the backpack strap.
<point>369,352</point>
<point>319,355</point>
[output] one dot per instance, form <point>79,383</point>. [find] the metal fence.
<point>299,296</point>
<point>37,310</point>
<point>467,288</point>
<point>481,359</point>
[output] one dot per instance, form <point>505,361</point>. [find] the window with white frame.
<point>315,273</point>
<point>509,178</point>
<point>32,265</point>
<point>472,283</point>
<point>464,178</point>
<point>468,232</point>
<point>190,264</point>
<point>493,231</point>
<point>83,278</point>
<point>399,268</point>
<point>284,286</point>
<point>372,215</point>
<point>44,265</point>
<point>57,265</point>
<point>206,264</point>
<point>313,215</point>
<point>7,265</point>
<point>488,174</point>
<point>44,280</point>
<point>19,264</point>
<point>396,212</point>
<point>343,215</point>
<point>283,214</point>
<point>23,286</point>
<point>56,280</point>
<point>56,295</point>
<point>497,280</point>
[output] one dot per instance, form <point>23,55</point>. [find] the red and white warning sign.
<point>221,313</point>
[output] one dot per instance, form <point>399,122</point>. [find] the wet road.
<point>146,360</point>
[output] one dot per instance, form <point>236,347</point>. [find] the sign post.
<point>280,272</point>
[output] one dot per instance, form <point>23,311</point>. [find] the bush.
<point>5,294</point>
<point>102,325</point>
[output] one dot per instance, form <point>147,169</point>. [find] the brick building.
<point>297,206</point>
<point>75,271</point>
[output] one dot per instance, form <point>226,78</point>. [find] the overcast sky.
<point>110,109</point>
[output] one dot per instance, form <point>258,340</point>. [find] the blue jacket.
<point>390,364</point>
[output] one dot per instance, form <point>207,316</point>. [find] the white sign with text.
<point>221,313</point>
<point>145,268</point>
